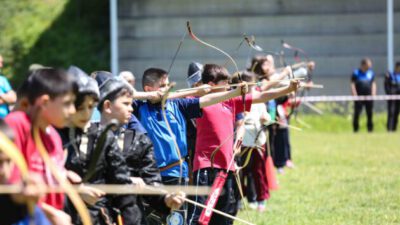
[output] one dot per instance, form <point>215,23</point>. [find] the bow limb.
<point>63,182</point>
<point>296,50</point>
<point>214,152</point>
<point>237,73</point>
<point>291,75</point>
<point>240,128</point>
<point>9,149</point>
<point>247,153</point>
<point>293,105</point>
<point>164,114</point>
<point>236,50</point>
<point>194,37</point>
<point>176,52</point>
<point>252,43</point>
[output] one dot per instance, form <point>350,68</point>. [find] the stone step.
<point>326,66</point>
<point>279,25</point>
<point>173,8</point>
<point>315,46</point>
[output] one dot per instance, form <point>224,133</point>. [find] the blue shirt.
<point>134,124</point>
<point>177,111</point>
<point>4,88</point>
<point>363,81</point>
<point>395,78</point>
<point>39,218</point>
<point>359,75</point>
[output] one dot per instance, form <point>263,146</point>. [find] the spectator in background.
<point>392,87</point>
<point>128,77</point>
<point>7,95</point>
<point>363,83</point>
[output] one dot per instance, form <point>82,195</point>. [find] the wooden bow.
<point>63,182</point>
<point>10,150</point>
<point>164,114</point>
<point>237,73</point>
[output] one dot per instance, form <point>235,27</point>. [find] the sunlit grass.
<point>340,178</point>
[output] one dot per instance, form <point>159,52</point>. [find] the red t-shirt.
<point>213,128</point>
<point>21,125</point>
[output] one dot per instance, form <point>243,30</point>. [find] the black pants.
<point>183,211</point>
<point>358,105</point>
<point>282,148</point>
<point>250,188</point>
<point>393,114</point>
<point>226,201</point>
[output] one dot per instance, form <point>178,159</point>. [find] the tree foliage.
<point>54,33</point>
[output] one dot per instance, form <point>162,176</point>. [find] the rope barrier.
<point>342,98</point>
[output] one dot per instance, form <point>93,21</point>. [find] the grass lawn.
<point>340,178</point>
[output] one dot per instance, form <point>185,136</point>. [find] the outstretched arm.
<point>151,95</point>
<point>266,85</point>
<point>261,97</point>
<point>156,96</point>
<point>9,97</point>
<point>218,97</point>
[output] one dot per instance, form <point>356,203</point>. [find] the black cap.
<point>101,76</point>
<point>108,83</point>
<point>85,83</point>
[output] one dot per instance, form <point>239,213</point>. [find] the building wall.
<point>336,34</point>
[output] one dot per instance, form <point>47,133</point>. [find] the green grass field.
<point>340,177</point>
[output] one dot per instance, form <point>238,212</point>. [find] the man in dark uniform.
<point>392,87</point>
<point>363,83</point>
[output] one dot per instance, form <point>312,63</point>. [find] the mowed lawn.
<point>340,178</point>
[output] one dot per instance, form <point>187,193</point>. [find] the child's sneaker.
<point>290,164</point>
<point>261,206</point>
<point>280,170</point>
<point>240,205</point>
<point>253,205</point>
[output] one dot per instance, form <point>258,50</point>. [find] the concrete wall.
<point>336,34</point>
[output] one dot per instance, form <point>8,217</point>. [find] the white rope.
<point>342,98</point>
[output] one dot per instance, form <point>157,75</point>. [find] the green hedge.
<point>54,33</point>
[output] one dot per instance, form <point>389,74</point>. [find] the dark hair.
<point>112,96</point>
<point>214,73</point>
<point>364,61</point>
<point>246,76</point>
<point>152,75</point>
<point>23,89</point>
<point>256,65</point>
<point>397,64</point>
<point>53,82</point>
<point>80,98</point>
<point>6,130</point>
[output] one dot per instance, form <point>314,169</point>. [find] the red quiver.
<point>212,199</point>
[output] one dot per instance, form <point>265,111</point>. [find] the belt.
<point>169,166</point>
